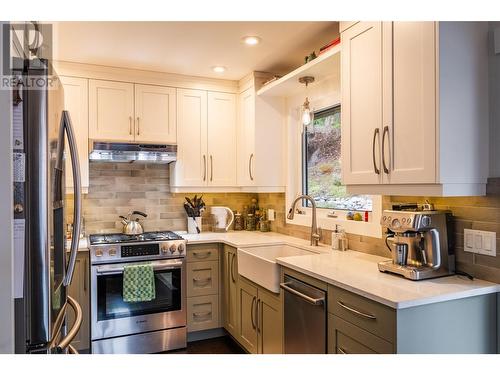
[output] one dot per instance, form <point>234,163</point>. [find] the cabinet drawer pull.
<point>386,131</point>
<point>375,135</point>
<point>130,125</point>
<point>341,350</point>
<point>202,314</point>
<point>203,255</point>
<point>364,315</point>
<point>258,315</point>
<point>205,280</point>
<point>138,126</point>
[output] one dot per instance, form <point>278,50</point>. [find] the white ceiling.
<point>192,47</point>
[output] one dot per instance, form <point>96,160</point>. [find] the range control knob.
<point>164,247</point>
<point>173,248</point>
<point>396,223</point>
<point>98,253</point>
<point>426,221</point>
<point>181,248</point>
<point>112,251</point>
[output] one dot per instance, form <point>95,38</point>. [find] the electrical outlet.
<point>480,242</point>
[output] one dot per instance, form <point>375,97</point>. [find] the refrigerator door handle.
<point>66,341</point>
<point>67,127</point>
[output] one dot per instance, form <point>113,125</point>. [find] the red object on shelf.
<point>366,216</point>
<point>330,45</point>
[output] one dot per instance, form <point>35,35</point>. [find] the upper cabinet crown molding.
<point>415,108</point>
<point>145,77</point>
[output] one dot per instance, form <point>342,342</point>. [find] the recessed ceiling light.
<point>219,69</point>
<point>251,40</point>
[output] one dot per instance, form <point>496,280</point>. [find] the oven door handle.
<point>107,270</point>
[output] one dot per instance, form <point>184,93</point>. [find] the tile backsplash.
<point>115,189</point>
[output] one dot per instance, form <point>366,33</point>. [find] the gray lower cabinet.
<point>230,290</point>
<point>358,325</point>
<point>260,321</point>
<point>347,338</point>
<point>80,290</point>
<point>203,296</point>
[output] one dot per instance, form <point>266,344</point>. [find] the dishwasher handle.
<point>311,300</point>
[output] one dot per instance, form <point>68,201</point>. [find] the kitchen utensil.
<point>132,226</point>
<point>191,212</point>
<point>223,217</point>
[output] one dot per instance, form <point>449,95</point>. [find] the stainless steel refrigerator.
<point>41,128</point>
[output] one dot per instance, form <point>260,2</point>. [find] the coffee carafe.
<point>420,243</point>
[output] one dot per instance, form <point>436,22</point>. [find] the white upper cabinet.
<point>410,126</point>
<point>221,139</point>
<point>361,67</point>
<point>76,103</point>
<point>206,140</point>
<point>246,138</point>
<point>190,169</point>
<point>155,114</point>
<point>414,108</point>
<point>111,110</point>
<point>260,138</point>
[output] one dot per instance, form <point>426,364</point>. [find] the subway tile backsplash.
<point>115,189</point>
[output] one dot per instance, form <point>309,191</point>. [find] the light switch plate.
<point>480,242</point>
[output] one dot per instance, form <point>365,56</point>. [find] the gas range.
<point>119,248</point>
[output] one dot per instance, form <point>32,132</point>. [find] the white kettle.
<point>222,217</point>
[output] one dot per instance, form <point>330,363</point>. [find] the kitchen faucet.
<point>315,233</point>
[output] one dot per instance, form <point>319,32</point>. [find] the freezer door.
<point>45,293</point>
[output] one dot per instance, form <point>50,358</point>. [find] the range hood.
<point>132,152</point>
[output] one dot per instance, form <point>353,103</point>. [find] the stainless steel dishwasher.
<point>304,317</point>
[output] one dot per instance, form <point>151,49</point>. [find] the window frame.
<point>296,172</point>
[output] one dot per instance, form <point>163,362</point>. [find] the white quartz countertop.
<point>355,271</point>
<point>358,273</point>
<point>249,239</point>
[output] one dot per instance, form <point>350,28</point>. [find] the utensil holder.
<point>193,223</point>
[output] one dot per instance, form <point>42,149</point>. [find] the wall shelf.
<point>323,66</point>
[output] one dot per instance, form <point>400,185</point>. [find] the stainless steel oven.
<point>138,327</point>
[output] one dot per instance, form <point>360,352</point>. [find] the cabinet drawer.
<point>202,253</point>
<point>346,338</point>
<point>202,313</point>
<point>202,278</point>
<point>363,312</point>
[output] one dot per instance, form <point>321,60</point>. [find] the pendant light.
<point>307,113</point>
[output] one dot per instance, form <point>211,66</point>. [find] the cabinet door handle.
<point>375,135</point>
<point>233,256</point>
<point>138,126</point>
<point>211,169</point>
<point>341,350</point>
<point>252,313</point>
<point>386,131</point>
<point>257,314</point>
<point>250,167</point>
<point>357,312</point>
<point>204,168</point>
<point>85,275</point>
<point>130,125</point>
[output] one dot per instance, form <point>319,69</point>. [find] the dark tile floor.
<point>218,345</point>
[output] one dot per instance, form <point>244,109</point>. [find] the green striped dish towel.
<point>138,283</point>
